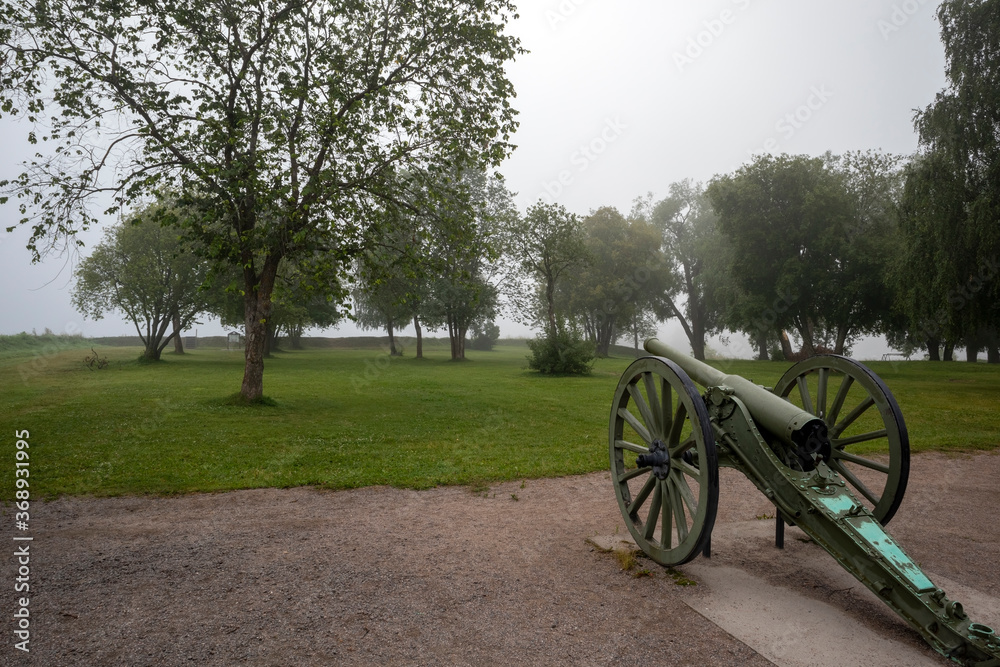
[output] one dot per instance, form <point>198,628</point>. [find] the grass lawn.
<point>347,418</point>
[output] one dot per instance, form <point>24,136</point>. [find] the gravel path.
<point>389,576</point>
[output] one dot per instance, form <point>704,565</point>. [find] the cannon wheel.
<point>669,505</point>
<point>840,391</point>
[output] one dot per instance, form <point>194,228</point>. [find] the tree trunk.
<point>257,311</point>
<point>807,338</point>
<point>178,343</point>
<point>761,341</point>
<point>635,333</point>
<point>152,351</point>
<point>698,347</point>
<point>786,347</point>
<point>462,331</point>
<point>270,344</point>
<point>972,346</point>
<point>420,339</point>
<point>295,337</point>
<point>550,286</point>
<point>392,339</point>
<point>842,332</point>
<point>949,350</point>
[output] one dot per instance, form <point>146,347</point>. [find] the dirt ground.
<point>389,576</point>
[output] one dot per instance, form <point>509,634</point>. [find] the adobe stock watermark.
<point>585,156</point>
<point>793,121</point>
<point>899,16</point>
<point>704,39</point>
<point>563,12</point>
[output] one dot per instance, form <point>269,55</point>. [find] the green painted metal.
<point>819,500</point>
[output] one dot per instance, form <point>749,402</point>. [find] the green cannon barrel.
<point>779,417</point>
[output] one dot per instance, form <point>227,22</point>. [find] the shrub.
<point>484,336</point>
<point>567,353</point>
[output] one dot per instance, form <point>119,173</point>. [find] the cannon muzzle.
<point>806,432</point>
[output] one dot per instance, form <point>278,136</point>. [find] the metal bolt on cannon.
<point>803,445</point>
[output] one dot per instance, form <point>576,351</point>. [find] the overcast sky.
<point>619,99</point>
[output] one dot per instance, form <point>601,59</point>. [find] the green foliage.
<point>947,270</point>
<point>564,354</point>
<point>484,336</point>
<point>547,242</point>
<point>143,270</point>
<point>809,240</point>
<point>286,125</point>
<point>464,246</point>
<point>695,259</point>
<point>625,271</point>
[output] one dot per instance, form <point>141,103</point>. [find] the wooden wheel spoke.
<point>867,463</point>
<point>666,529</point>
<point>854,481</point>
<point>807,404</point>
<point>631,447</point>
<point>838,402</point>
<point>666,405</point>
<point>679,518</point>
<point>641,497</point>
<point>680,448</point>
<point>840,443</point>
<point>631,474</point>
<point>632,421</point>
<point>647,414</point>
<point>687,469</point>
<point>821,386</point>
<point>654,509</point>
<point>852,417</point>
<point>686,494</point>
<point>653,399</point>
<point>677,425</point>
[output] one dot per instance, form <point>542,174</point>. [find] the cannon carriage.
<point>808,445</point>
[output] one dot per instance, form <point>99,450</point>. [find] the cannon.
<point>814,445</point>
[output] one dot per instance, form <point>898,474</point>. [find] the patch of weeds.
<point>524,483</point>
<point>762,517</point>
<point>481,489</point>
<point>679,578</point>
<point>626,559</point>
<point>513,496</point>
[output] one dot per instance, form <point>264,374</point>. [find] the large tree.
<point>287,120</point>
<point>547,243</point>
<point>808,242</point>
<point>627,268</point>
<point>951,210</point>
<point>690,240</point>
<point>142,269</point>
<point>463,242</point>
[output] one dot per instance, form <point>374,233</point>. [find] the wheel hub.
<point>658,459</point>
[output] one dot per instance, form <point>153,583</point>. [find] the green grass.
<point>349,418</point>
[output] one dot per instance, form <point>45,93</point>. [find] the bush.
<point>484,336</point>
<point>567,354</point>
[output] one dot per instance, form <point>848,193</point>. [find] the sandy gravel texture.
<point>393,577</point>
